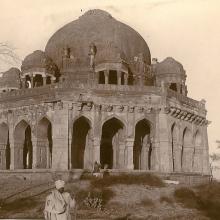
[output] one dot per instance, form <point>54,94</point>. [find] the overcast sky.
<point>187,30</point>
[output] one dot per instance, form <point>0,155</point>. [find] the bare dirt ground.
<point>22,198</point>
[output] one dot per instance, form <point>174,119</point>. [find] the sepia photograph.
<point>109,110</point>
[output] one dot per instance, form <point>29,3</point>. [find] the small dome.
<point>101,29</point>
<point>169,66</point>
<point>10,79</point>
<point>38,61</point>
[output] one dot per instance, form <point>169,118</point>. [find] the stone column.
<point>121,156</point>
<point>97,77</point>
<point>126,78</point>
<point>129,149</point>
<point>23,82</point>
<point>32,80</point>
<point>205,155</point>
<point>97,133</point>
<point>144,158</point>
<point>155,155</point>
<point>119,77</point>
<point>106,72</point>
<point>70,144</point>
<point>197,159</point>
<point>96,150</point>
<point>17,156</point>
<point>44,80</point>
<point>35,153</point>
<point>2,156</point>
<point>48,159</point>
<point>140,81</point>
<point>177,157</point>
<point>187,158</point>
<point>53,79</point>
<point>60,137</point>
<point>163,142</point>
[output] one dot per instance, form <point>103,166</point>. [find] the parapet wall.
<point>71,175</point>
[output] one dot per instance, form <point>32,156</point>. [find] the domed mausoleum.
<point>95,94</point>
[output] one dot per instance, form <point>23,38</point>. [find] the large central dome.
<point>100,28</point>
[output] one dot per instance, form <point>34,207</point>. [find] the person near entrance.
<point>59,203</point>
<point>96,169</point>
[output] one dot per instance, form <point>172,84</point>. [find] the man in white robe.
<point>59,203</point>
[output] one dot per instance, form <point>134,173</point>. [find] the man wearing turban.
<point>59,203</point>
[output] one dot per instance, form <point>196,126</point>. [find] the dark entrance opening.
<point>122,78</point>
<point>113,77</point>
<point>80,134</point>
<point>28,149</point>
<point>101,77</point>
<point>111,135</point>
<point>7,154</point>
<point>48,80</point>
<point>142,146</point>
<point>50,140</point>
<point>173,86</point>
<point>175,163</point>
<point>38,80</point>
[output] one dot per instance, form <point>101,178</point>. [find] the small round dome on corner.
<point>10,79</point>
<point>169,66</point>
<point>38,61</point>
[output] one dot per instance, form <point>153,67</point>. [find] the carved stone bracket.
<point>87,106</point>
<point>187,116</point>
<point>140,109</point>
<point>131,109</point>
<point>148,110</point>
<point>120,108</point>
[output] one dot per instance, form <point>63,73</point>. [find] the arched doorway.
<point>4,147</point>
<point>44,144</point>
<point>197,154</point>
<point>112,141</point>
<point>81,156</point>
<point>23,146</point>
<point>176,151</point>
<point>142,146</point>
<point>187,151</point>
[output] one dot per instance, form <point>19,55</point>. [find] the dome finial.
<point>97,12</point>
<point>92,53</point>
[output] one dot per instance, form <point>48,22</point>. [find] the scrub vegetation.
<point>114,197</point>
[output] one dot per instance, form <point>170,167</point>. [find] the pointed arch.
<point>142,148</point>
<point>114,116</point>
<point>23,146</point>
<point>149,121</point>
<point>112,147</point>
<point>81,147</point>
<point>176,162</point>
<point>19,130</point>
<point>44,143</point>
<point>187,150</point>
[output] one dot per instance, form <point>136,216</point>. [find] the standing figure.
<point>59,203</point>
<point>96,169</point>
